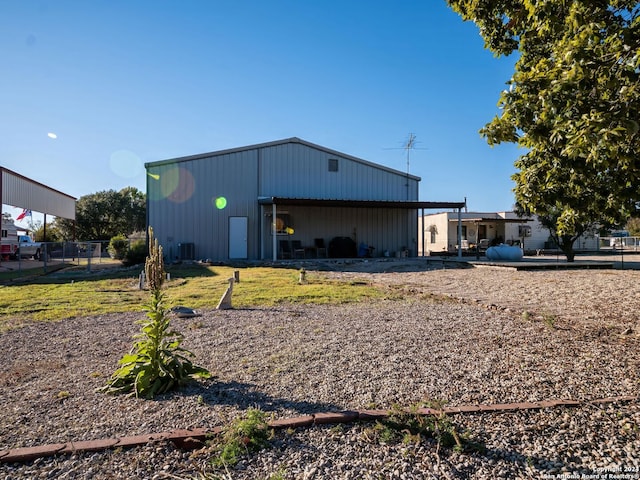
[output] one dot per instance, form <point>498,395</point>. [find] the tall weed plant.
<point>156,363</point>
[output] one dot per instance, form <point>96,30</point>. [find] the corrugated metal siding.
<point>189,214</point>
<point>181,196</point>
<point>24,193</point>
<point>295,170</point>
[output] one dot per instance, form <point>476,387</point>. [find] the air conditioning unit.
<point>187,251</point>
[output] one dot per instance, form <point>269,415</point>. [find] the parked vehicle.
<point>28,248</point>
<point>9,240</point>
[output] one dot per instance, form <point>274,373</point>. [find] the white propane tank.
<point>504,252</point>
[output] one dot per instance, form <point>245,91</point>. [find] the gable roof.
<point>277,143</point>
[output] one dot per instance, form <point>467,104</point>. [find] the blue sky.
<point>121,83</point>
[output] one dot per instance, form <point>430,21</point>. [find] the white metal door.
<point>237,237</point>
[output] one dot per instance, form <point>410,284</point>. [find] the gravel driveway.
<point>458,336</point>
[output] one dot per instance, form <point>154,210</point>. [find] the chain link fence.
<point>52,255</point>
<point>629,244</point>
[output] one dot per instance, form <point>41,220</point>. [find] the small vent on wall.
<point>333,164</point>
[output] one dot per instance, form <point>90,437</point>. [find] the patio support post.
<point>421,226</point>
<point>273,231</point>
<point>459,233</point>
<point>477,241</point>
<point>261,232</point>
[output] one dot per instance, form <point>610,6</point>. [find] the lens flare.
<point>177,184</point>
<point>173,183</point>
<point>221,203</point>
<point>125,164</point>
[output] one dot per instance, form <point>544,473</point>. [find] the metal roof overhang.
<point>321,202</point>
<point>20,191</point>
<point>492,220</point>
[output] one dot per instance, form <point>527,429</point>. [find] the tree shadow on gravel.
<point>245,395</point>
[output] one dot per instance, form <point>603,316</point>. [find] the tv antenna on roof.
<point>408,146</point>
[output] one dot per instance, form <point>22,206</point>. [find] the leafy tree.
<point>573,104</point>
<point>135,209</point>
<point>38,232</point>
<point>106,214</point>
<point>633,226</point>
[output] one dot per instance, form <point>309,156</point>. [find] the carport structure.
<point>22,192</point>
<point>413,208</point>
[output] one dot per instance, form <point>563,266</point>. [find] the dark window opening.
<point>333,164</point>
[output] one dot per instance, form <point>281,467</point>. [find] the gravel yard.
<point>459,336</point>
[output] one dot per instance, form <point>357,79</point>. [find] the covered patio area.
<point>377,228</point>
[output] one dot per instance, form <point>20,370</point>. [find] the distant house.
<point>282,199</point>
<point>439,232</point>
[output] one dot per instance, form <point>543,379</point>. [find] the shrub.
<point>248,434</point>
<point>136,253</point>
<point>157,363</point>
<point>411,427</point>
<point>118,247</point>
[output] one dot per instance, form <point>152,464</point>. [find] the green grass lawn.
<point>74,292</point>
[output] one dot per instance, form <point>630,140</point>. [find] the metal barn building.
<point>282,199</point>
